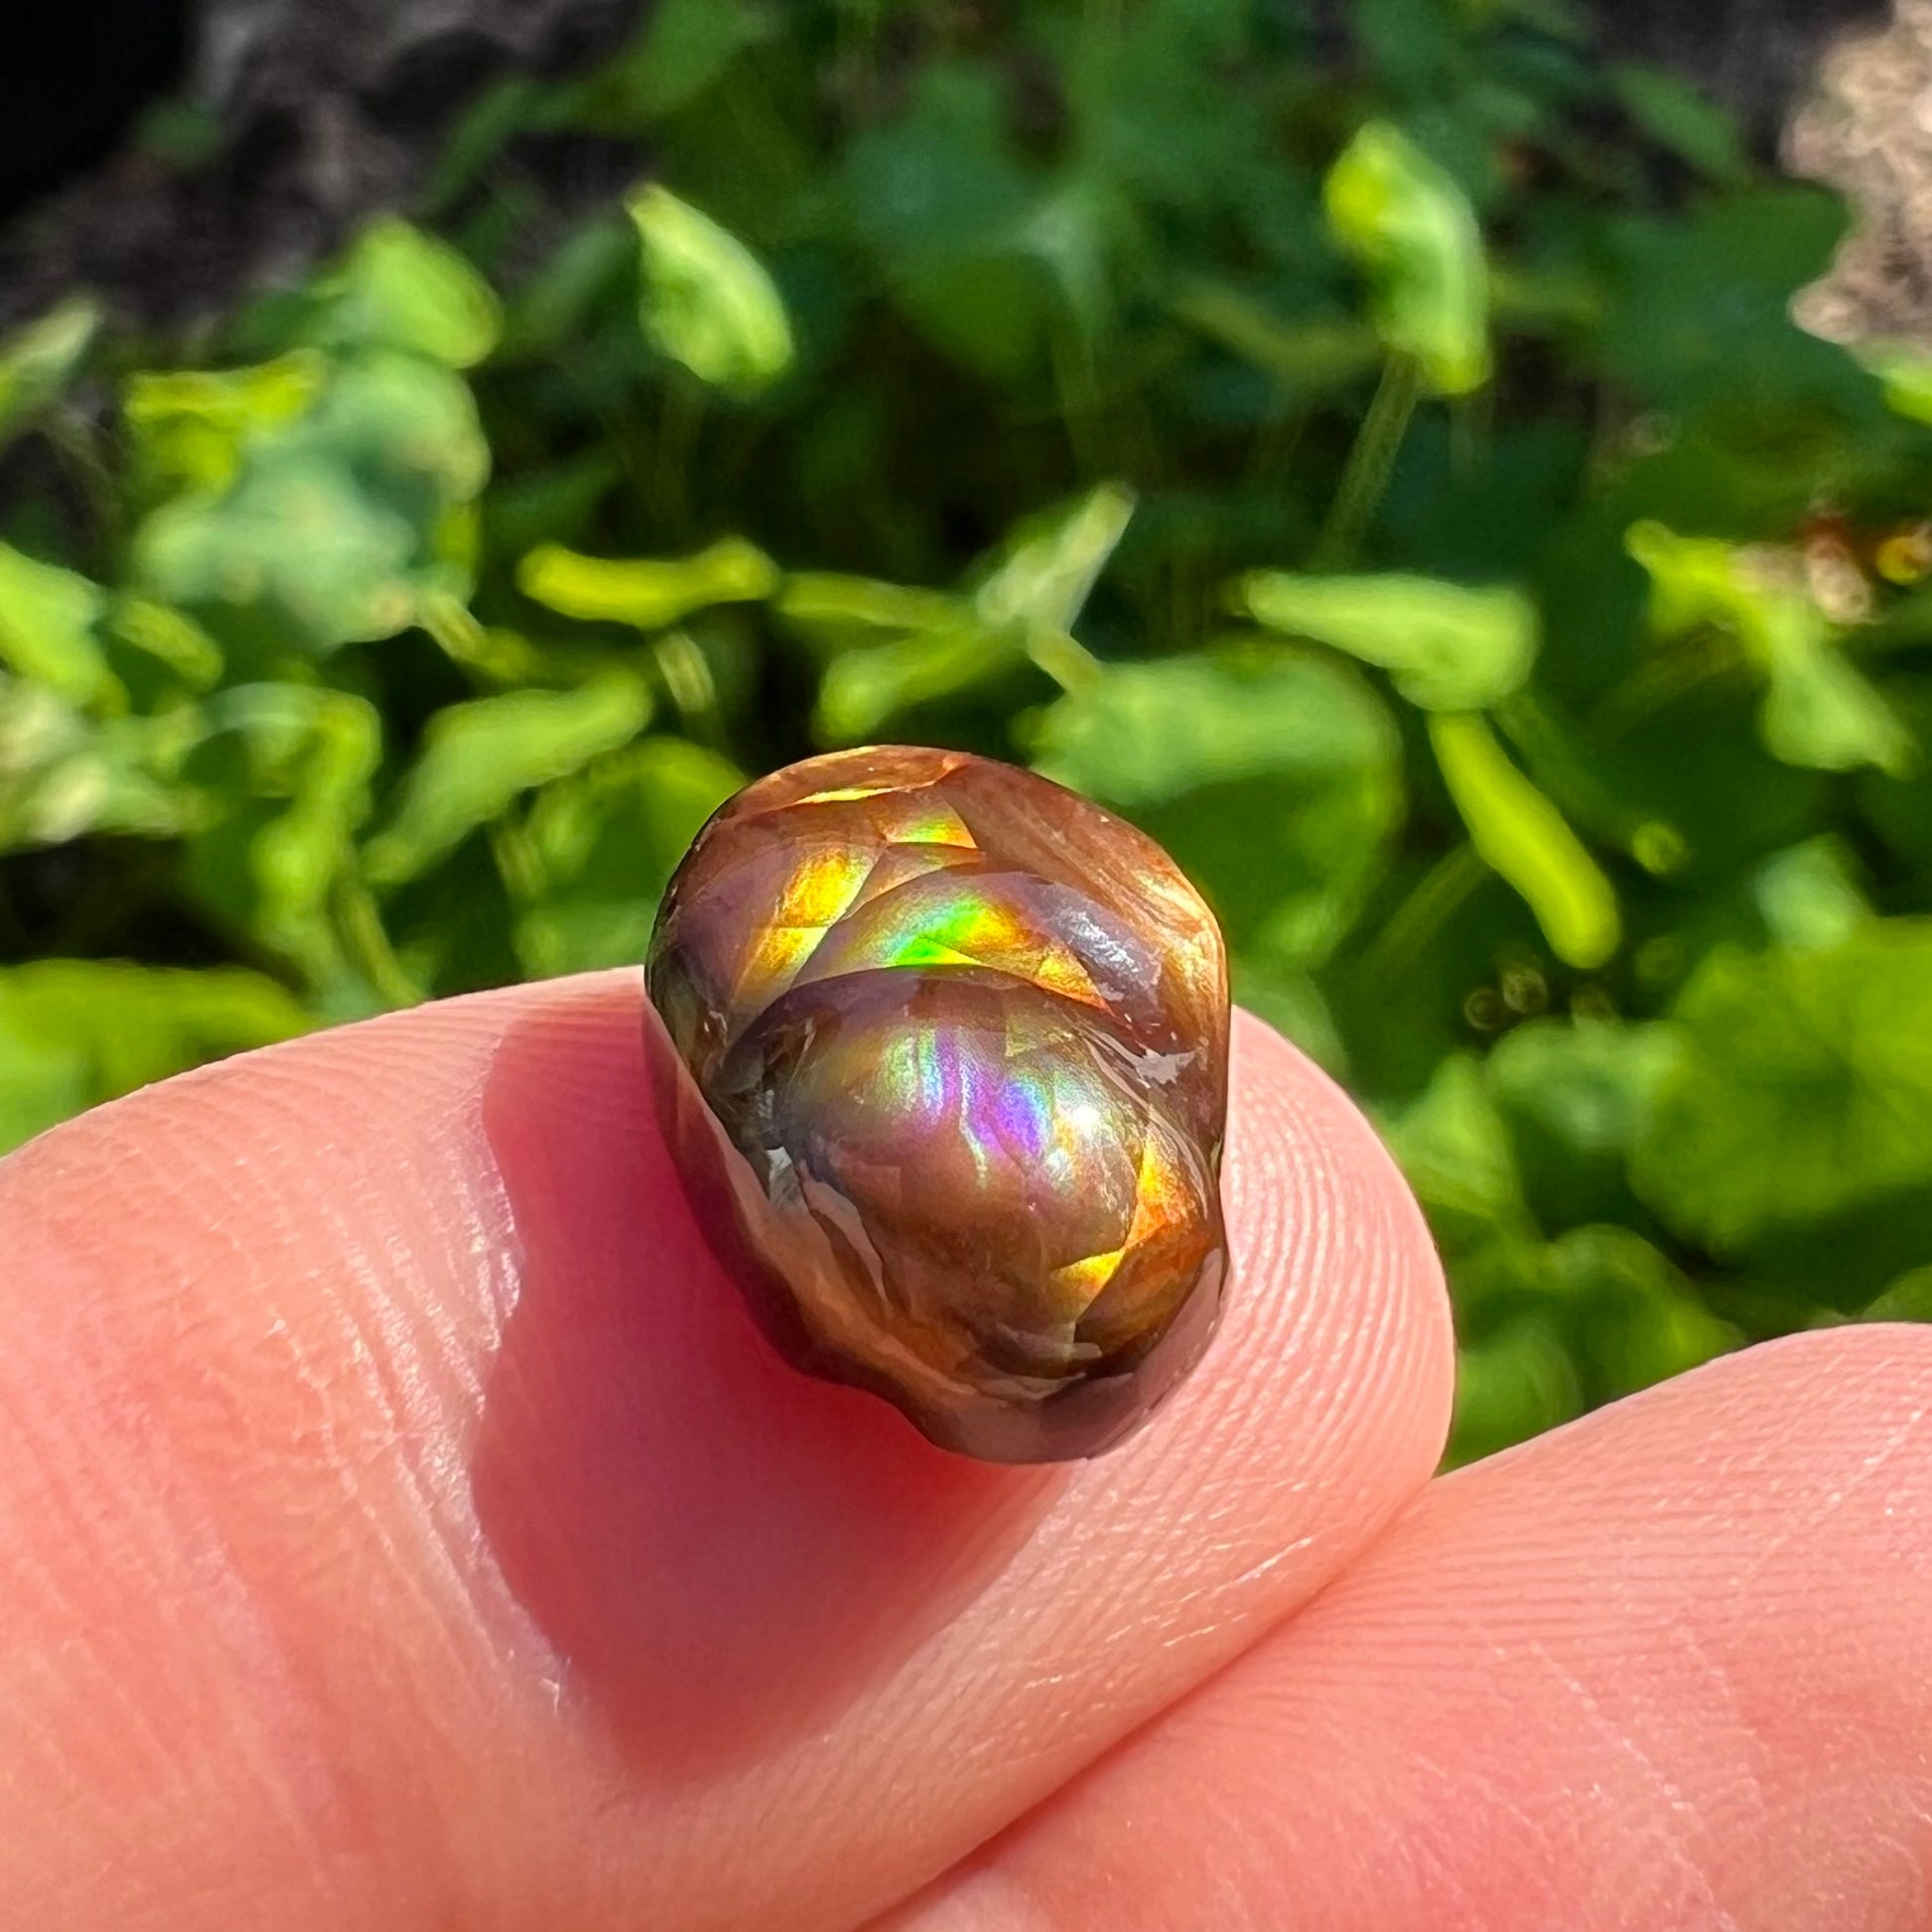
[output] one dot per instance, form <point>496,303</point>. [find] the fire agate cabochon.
<point>952,1085</point>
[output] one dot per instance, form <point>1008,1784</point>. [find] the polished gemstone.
<point>948,1083</point>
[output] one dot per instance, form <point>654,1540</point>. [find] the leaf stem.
<point>1433,900</point>
<point>1371,463</point>
<point>363,938</point>
<point>1062,657</point>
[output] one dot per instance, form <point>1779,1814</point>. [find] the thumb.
<point>405,1526</point>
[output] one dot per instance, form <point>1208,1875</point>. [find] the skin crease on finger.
<point>1662,1670</point>
<point>405,1526</point>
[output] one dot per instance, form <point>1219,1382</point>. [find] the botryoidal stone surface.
<point>947,1087</point>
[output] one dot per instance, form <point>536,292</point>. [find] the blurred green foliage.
<point>1390,473</point>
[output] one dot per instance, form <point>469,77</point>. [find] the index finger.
<point>410,1526</point>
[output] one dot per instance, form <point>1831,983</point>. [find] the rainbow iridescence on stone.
<point>949,1086</point>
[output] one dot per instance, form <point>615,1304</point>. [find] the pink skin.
<point>403,1526</point>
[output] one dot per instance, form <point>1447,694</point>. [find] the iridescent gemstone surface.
<point>948,1087</point>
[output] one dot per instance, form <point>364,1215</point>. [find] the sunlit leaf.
<point>336,526</point>
<point>646,592</point>
<point>1808,896</point>
<point>297,537</point>
<point>1819,709</point>
<point>862,689</point>
<point>171,638</point>
<point>1402,218</point>
<point>78,1031</point>
<point>605,843</point>
<point>47,627</point>
<point>186,426</point>
<point>39,359</point>
<point>1522,836</point>
<point>399,288</point>
<point>708,301</point>
<point>1906,372</point>
<point>64,774</point>
<point>1020,601</point>
<point>1448,647</point>
<point>1274,778</point>
<point>1586,1083</point>
<point>1043,573</point>
<point>477,757</point>
<point>842,611</point>
<point>287,767</point>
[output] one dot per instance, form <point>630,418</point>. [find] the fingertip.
<point>1661,1667</point>
<point>1337,1282</point>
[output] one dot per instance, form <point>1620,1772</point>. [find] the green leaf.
<point>48,618</point>
<point>557,307</point>
<point>186,427</point>
<point>290,767</point>
<point>1821,711</point>
<point>1454,1146</point>
<point>1699,314</point>
<point>1402,219</point>
<point>1806,894</point>
<point>1818,710</point>
<point>1521,835</point>
<point>604,844</point>
<point>1676,116</point>
<point>1274,778</point>
<point>63,774</point>
<point>1510,1385</point>
<point>1905,369</point>
<point>1448,647</point>
<point>1307,358</point>
<point>477,758</point>
<point>169,638</point>
<point>841,612</point>
<point>1020,601</point>
<point>38,361</point>
<point>1908,1298</point>
<point>708,301</point>
<point>688,48</point>
<point>862,689</point>
<point>1576,1095</point>
<point>1804,1090</point>
<point>943,199</point>
<point>1294,1004</point>
<point>1587,1083</point>
<point>1637,1318</point>
<point>644,592</point>
<point>297,540</point>
<point>1041,574</point>
<point>398,287</point>
<point>337,523</point>
<point>77,1031</point>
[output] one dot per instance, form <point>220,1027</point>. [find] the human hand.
<point>403,1526</point>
